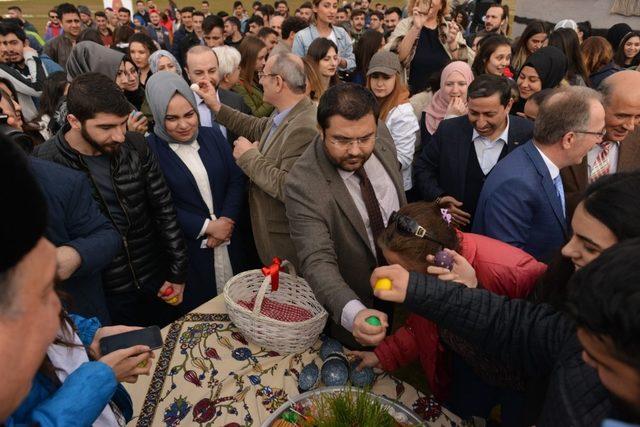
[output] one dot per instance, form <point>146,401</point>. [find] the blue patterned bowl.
<point>329,346</point>
<point>334,372</point>
<point>309,377</point>
<point>363,378</point>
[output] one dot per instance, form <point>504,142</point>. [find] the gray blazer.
<point>328,232</point>
<point>267,169</point>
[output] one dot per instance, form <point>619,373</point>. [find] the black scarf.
<point>14,73</point>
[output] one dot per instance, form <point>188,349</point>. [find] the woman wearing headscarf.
<point>544,69</point>
<point>206,185</point>
<point>90,57</point>
<point>163,60</point>
<point>449,101</point>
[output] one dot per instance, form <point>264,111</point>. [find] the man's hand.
<point>69,260</point>
<point>462,272</point>
<point>130,362</point>
<point>460,217</point>
<point>241,146</point>
<point>209,95</point>
<point>137,122</point>
<point>368,359</point>
<point>221,229</point>
<point>399,282</point>
<point>107,331</point>
<point>178,289</point>
<point>366,334</point>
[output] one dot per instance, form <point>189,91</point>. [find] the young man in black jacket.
<point>592,357</point>
<point>145,281</point>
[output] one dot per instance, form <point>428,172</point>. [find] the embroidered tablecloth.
<point>208,374</point>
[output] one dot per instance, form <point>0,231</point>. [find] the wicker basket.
<point>272,334</point>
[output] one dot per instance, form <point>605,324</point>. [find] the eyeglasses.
<point>53,16</point>
<point>349,142</point>
<point>600,134</point>
<point>261,75</point>
<point>409,225</point>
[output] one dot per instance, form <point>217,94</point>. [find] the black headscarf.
<point>551,65</point>
<point>616,33</point>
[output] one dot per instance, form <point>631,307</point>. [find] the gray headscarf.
<point>90,57</point>
<point>160,89</point>
<point>155,58</point>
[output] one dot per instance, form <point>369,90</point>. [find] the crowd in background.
<point>169,149</point>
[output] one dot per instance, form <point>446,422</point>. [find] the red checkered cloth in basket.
<point>278,310</point>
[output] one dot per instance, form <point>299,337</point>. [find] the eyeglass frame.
<point>409,225</point>
<point>262,74</point>
<point>601,134</point>
<point>348,142</point>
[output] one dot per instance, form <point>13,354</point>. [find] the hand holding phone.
<point>149,337</point>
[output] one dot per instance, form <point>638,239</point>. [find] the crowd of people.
<point>150,155</point>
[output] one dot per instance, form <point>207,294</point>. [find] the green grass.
<point>36,11</point>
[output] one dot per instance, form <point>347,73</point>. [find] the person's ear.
<point>568,140</point>
<point>509,105</point>
<point>74,122</point>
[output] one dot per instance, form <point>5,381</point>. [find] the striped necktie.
<point>601,165</point>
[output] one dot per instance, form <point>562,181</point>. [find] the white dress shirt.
<point>388,200</point>
<point>403,125</point>
<point>554,171</point>
<point>614,153</point>
<point>488,151</point>
<point>188,154</point>
<point>205,114</point>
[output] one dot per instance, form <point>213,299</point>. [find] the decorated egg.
<point>308,377</point>
<point>444,259</point>
<point>363,378</point>
<point>373,321</point>
<point>382,284</point>
<point>329,346</point>
<point>334,372</point>
<point>195,87</point>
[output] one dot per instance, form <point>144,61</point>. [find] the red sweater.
<point>500,268</point>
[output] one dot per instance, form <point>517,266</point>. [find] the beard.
<point>108,148</point>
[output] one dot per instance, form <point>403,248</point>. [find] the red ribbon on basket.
<point>274,271</point>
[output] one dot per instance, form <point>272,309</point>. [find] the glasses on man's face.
<point>410,226</point>
<point>262,74</point>
<point>345,143</point>
<point>53,16</point>
<point>599,134</point>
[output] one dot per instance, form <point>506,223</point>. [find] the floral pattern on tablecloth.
<point>208,374</point>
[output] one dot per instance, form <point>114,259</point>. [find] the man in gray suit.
<point>201,63</point>
<point>279,141</point>
<point>339,197</point>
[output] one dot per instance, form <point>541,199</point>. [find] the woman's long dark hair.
<point>619,56</point>
<point>52,91</point>
<point>613,200</point>
<point>520,51</point>
<point>368,44</point>
<point>318,49</point>
<point>567,41</point>
<point>486,47</point>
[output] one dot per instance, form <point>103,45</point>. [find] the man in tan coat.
<point>279,141</point>
<point>339,197</point>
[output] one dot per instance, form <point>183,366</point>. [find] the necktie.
<point>377,227</point>
<point>557,182</point>
<point>373,210</point>
<point>601,166</point>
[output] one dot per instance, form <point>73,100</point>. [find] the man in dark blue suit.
<point>522,202</point>
<point>86,242</point>
<point>454,164</point>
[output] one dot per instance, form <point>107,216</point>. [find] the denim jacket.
<point>345,48</point>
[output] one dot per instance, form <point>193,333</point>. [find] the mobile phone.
<point>150,337</point>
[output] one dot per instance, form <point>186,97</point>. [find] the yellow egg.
<point>383,284</point>
<point>173,300</point>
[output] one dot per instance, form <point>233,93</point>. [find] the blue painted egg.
<point>334,372</point>
<point>363,378</point>
<point>308,377</point>
<point>329,346</point>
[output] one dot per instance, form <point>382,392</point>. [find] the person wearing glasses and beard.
<point>338,197</point>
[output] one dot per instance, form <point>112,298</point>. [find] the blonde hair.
<point>314,84</point>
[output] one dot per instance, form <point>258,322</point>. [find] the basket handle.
<point>266,284</point>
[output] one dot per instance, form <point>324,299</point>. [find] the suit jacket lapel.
<point>464,151</point>
<point>340,193</point>
<point>547,185</point>
<point>388,158</point>
<point>513,142</point>
<point>278,131</point>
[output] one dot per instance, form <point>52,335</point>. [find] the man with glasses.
<point>268,147</point>
<point>522,202</point>
<point>59,48</point>
<point>619,150</point>
<point>339,197</point>
<point>53,29</point>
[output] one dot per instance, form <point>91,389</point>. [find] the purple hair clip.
<point>446,216</point>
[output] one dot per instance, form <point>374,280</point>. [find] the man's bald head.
<point>621,93</point>
<point>200,50</point>
<point>201,63</point>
